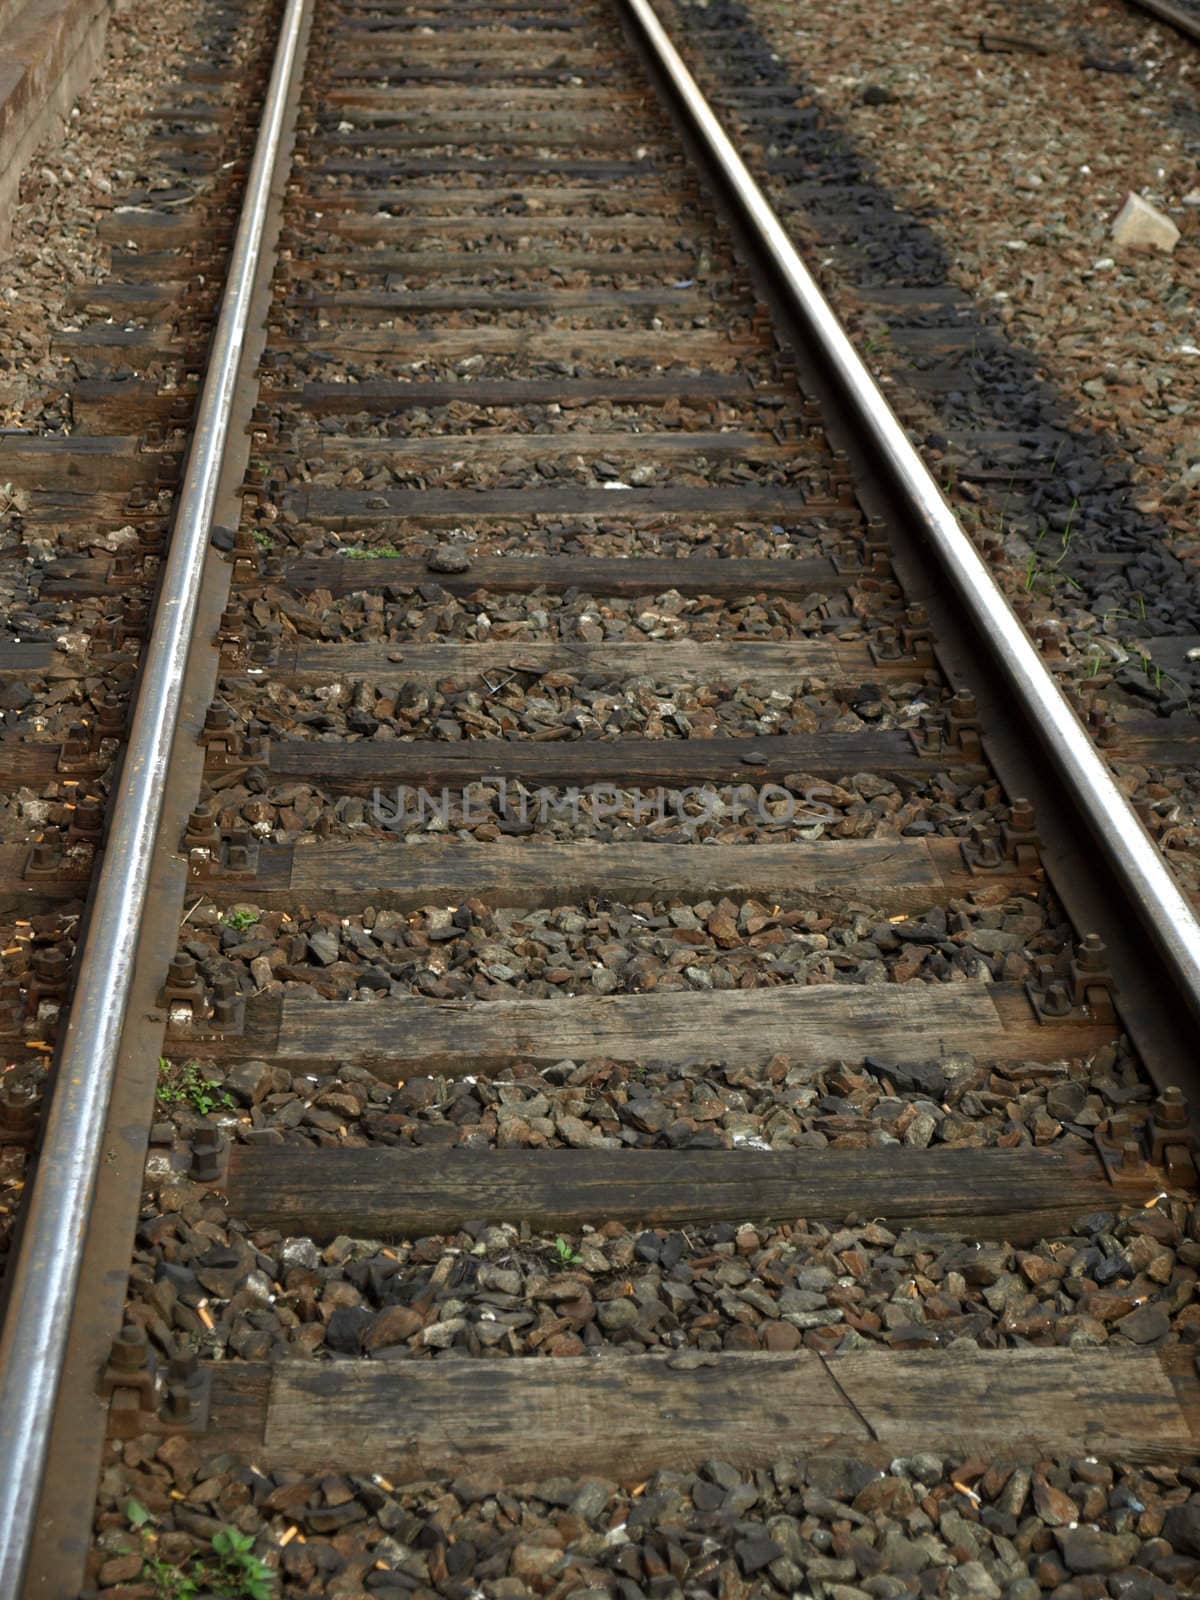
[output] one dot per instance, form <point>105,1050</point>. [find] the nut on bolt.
<point>130,1367</point>
<point>220,736</point>
<point>50,964</point>
<point>1091,981</point>
<point>87,819</point>
<point>184,985</point>
<point>928,736</point>
<point>1171,1137</point>
<point>876,536</point>
<point>18,1106</point>
<point>964,721</point>
<point>50,972</point>
<point>208,1150</point>
<point>110,715</point>
<point>76,749</point>
<point>1170,1108</point>
<point>12,1006</point>
<point>981,852</point>
<point>1048,997</point>
<point>1055,1001</point>
<point>1131,1158</point>
<point>201,825</point>
<point>201,837</point>
<point>1170,1121</point>
<point>186,1391</point>
<point>226,1000</point>
<point>915,634</point>
<point>963,705</point>
<point>130,1349</point>
<point>182,969</point>
<point>179,1402</point>
<point>184,1366</point>
<point>45,856</point>
<point>886,645</point>
<point>241,853</point>
<point>1020,835</point>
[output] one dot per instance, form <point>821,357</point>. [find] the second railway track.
<point>613,818</point>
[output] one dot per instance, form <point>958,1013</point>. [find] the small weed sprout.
<point>368,552</point>
<point>180,1083</point>
<point>1067,533</point>
<point>231,1571</point>
<point>240,1574</point>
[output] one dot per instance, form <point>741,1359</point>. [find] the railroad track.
<point>1185,16</point>
<point>587,806</point>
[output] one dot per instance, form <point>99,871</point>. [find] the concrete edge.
<point>48,55</point>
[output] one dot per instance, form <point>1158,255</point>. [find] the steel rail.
<point>46,1273</point>
<point>1164,913</point>
<point>1182,17</point>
